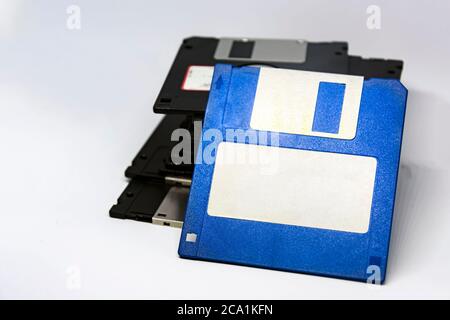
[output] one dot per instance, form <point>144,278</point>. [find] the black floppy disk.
<point>158,190</point>
<point>186,87</point>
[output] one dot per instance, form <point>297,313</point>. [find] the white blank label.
<point>198,78</point>
<point>295,187</point>
<point>285,101</point>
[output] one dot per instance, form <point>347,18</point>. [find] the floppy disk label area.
<point>318,195</point>
<point>336,188</point>
<point>308,103</point>
<point>198,78</point>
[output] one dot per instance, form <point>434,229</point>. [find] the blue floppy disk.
<point>297,171</point>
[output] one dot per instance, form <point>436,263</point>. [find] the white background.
<point>76,106</point>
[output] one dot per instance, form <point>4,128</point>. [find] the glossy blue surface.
<point>300,249</point>
<point>330,98</point>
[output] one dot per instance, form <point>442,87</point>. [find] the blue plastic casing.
<point>293,248</point>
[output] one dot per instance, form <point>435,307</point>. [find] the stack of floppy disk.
<point>281,154</point>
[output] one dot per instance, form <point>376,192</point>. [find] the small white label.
<point>198,78</point>
<point>285,101</point>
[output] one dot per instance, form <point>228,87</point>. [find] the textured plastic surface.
<point>321,56</point>
<point>149,170</point>
<point>153,163</point>
<point>293,248</point>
